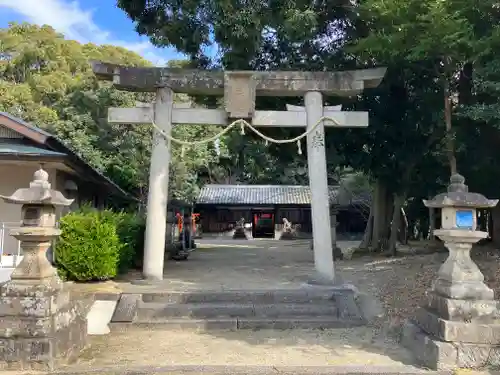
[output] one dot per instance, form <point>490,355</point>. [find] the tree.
<point>246,33</point>
<point>424,61</point>
<point>48,80</point>
<point>408,31</point>
<point>249,35</point>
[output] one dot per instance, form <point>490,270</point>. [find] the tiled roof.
<point>259,194</point>
<point>20,149</point>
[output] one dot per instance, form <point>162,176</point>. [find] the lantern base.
<point>41,328</point>
<point>437,354</point>
<point>239,234</point>
<point>450,333</point>
<point>459,277</point>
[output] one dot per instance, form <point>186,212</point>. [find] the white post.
<point>318,182</point>
<point>156,215</point>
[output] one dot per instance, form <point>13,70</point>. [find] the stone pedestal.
<point>239,234</point>
<point>288,235</point>
<point>459,325</point>
<point>40,327</point>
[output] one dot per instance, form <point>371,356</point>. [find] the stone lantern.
<point>39,325</point>
<point>457,327</point>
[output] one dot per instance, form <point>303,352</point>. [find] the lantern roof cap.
<point>458,195</point>
<point>39,192</point>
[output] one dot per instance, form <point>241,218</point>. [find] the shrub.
<point>89,248</point>
<point>129,228</point>
<point>139,235</point>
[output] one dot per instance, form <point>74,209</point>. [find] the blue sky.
<point>96,21</point>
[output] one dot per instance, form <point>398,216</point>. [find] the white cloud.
<point>75,23</point>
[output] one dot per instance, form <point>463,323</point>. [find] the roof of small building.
<point>26,124</point>
<point>7,148</point>
<point>260,194</point>
<point>53,147</point>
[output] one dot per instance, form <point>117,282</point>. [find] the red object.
<point>193,222</point>
<point>257,217</point>
<point>179,221</point>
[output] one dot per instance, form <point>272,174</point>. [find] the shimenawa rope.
<point>242,124</point>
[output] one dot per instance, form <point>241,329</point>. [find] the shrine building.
<point>263,207</point>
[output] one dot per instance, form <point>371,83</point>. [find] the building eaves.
<point>259,195</point>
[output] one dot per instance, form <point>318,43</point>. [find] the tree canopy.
<point>47,80</point>
<point>428,118</point>
<point>434,113</point>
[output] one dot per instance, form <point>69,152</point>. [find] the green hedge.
<point>130,230</point>
<point>98,245</point>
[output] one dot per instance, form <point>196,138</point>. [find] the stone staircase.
<point>259,309</point>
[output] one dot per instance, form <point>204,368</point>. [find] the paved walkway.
<point>231,265</point>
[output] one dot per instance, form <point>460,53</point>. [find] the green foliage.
<point>89,247</point>
<point>129,228</point>
<point>427,45</point>
<point>246,33</point>
<point>47,79</point>
<point>407,30</point>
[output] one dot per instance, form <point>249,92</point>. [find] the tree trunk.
<point>466,84</point>
<point>379,204</point>
<point>403,227</point>
<point>495,217</point>
<point>388,210</point>
<point>367,237</point>
<point>432,223</point>
<point>378,225</point>
<point>450,143</point>
<point>396,219</point>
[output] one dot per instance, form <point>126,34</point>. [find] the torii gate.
<point>239,89</point>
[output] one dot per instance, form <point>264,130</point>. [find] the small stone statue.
<point>241,223</point>
<point>239,232</point>
<point>287,225</point>
<point>289,232</point>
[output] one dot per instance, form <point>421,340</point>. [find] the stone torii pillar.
<point>239,89</point>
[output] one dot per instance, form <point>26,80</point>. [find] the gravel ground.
<point>135,348</point>
<point>404,281</point>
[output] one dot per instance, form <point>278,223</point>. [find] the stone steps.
<point>153,310</point>
<point>238,296</point>
<point>252,323</point>
<point>259,309</point>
